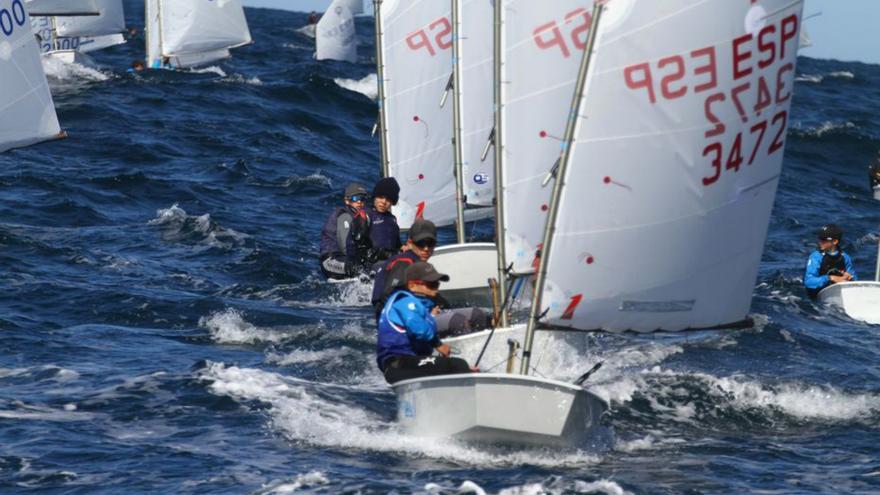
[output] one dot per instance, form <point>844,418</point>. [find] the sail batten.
<point>674,167</point>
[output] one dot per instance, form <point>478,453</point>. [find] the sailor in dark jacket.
<point>391,276</point>
<point>828,264</point>
<point>335,237</point>
<point>407,335</point>
<point>375,237</point>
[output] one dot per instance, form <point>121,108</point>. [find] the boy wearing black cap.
<point>828,264</point>
<point>408,332</point>
<point>384,231</point>
<point>335,236</point>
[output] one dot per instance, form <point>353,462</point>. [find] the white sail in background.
<point>111,20</point>
<point>61,7</point>
<point>93,43</point>
<point>335,37</point>
<point>677,155</point>
<point>27,114</point>
<point>417,50</point>
<point>542,47</point>
<point>477,99</point>
<point>354,6</point>
<point>186,30</point>
<point>805,40</point>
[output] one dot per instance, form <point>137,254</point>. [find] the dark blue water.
<point>165,329</point>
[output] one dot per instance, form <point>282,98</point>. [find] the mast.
<point>380,76</point>
<point>559,174</point>
<point>497,70</point>
<point>456,122</point>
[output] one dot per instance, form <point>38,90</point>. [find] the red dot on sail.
<point>607,180</point>
<point>415,118</point>
<point>590,260</point>
<point>543,134</point>
<point>544,207</point>
<point>421,176</point>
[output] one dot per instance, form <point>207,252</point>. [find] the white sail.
<point>111,20</point>
<point>354,6</point>
<point>27,114</point>
<point>542,47</point>
<point>477,100</point>
<point>62,7</point>
<point>153,33</point>
<point>335,38</point>
<point>805,40</point>
<point>192,26</point>
<point>678,150</point>
<point>93,43</point>
<point>416,44</point>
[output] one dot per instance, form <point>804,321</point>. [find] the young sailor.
<point>419,247</point>
<point>408,332</point>
<point>828,264</point>
<point>336,232</point>
<point>375,237</point>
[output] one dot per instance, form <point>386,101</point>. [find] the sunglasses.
<point>431,285</point>
<point>357,199</point>
<point>427,243</point>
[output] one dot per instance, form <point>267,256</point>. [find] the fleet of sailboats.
<point>630,151</point>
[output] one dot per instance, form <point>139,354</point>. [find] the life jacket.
<point>391,277</point>
<point>393,339</point>
<point>384,231</point>
<point>832,262</point>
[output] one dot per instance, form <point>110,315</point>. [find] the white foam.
<point>175,219</point>
<point>323,415</point>
<point>795,399</point>
<point>60,70</point>
<point>43,413</point>
<point>367,86</point>
<point>240,79</point>
<point>213,69</point>
<point>229,327</point>
<point>817,79</point>
<point>555,486</point>
<point>842,74</point>
<point>308,480</point>
<point>826,128</point>
<point>329,357</point>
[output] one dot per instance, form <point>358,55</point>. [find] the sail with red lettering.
<point>677,154</point>
<point>476,100</point>
<point>415,43</point>
<point>542,46</point>
<point>27,113</point>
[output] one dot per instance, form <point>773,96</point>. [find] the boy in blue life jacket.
<point>408,332</point>
<point>828,264</point>
<point>335,236</point>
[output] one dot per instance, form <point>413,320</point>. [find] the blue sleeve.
<point>812,280</point>
<point>413,316</point>
<point>849,266</point>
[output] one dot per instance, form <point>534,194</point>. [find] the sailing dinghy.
<point>859,300</point>
<point>27,113</point>
<point>69,38</point>
<point>661,199</point>
<point>414,54</point>
<point>190,33</point>
<point>335,37</point>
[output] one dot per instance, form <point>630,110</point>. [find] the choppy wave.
<point>367,86</point>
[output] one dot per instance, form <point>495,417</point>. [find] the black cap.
<point>424,272</point>
<point>422,229</point>
<point>829,232</point>
<point>355,189</point>
<point>387,188</point>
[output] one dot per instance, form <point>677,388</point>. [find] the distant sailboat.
<point>27,113</point>
<point>191,33</point>
<point>67,38</point>
<point>335,37</point>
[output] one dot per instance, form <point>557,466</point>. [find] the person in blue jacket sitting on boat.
<point>828,264</point>
<point>408,332</point>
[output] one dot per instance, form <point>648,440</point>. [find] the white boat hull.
<point>859,300</point>
<point>502,409</point>
<point>469,266</point>
<point>72,57</point>
<point>877,192</point>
